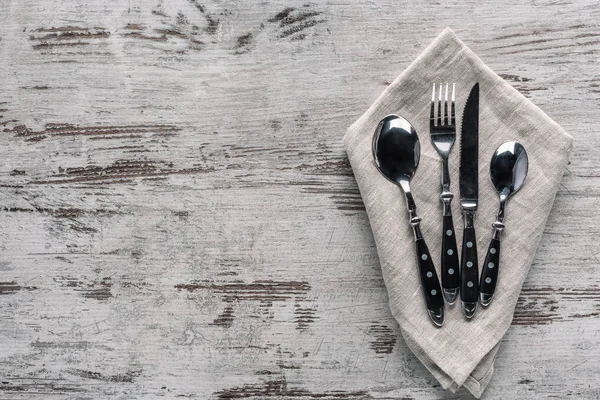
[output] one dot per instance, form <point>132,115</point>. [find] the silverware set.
<point>396,151</point>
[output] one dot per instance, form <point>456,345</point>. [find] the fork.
<point>443,135</point>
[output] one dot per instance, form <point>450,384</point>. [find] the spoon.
<point>396,151</point>
<point>508,170</point>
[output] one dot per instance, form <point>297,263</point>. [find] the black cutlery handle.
<point>429,278</point>
<point>489,272</point>
<point>469,273</point>
<point>450,266</point>
<point>430,283</point>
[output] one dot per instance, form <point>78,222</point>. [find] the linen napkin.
<point>462,352</point>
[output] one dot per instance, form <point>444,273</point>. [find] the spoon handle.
<point>489,273</point>
<point>430,283</point>
<point>429,279</point>
<point>469,269</point>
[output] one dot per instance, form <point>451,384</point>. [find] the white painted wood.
<point>179,217</point>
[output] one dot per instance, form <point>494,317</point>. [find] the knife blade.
<point>469,196</point>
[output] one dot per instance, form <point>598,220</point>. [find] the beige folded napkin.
<point>461,352</point>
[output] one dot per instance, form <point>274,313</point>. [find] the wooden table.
<point>179,218</point>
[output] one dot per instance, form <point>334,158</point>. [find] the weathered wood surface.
<point>179,218</point>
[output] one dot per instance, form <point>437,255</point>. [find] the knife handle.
<point>469,267</point>
<point>450,266</point>
<point>429,280</point>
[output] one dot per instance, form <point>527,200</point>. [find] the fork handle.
<point>450,266</point>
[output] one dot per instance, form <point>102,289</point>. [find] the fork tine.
<point>446,106</point>
<point>452,120</point>
<point>432,113</point>
<point>439,113</point>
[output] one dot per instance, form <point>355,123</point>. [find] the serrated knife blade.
<point>469,195</point>
<point>469,151</point>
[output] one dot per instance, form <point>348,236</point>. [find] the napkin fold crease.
<point>462,352</point>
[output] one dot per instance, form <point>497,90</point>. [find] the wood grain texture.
<point>179,218</point>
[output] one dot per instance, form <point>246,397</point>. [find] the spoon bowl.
<point>508,168</point>
<point>396,151</point>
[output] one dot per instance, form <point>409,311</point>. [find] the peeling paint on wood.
<point>281,389</point>
<point>540,305</point>
<point>263,291</point>
<point>13,287</point>
<point>304,316</point>
<point>95,132</point>
<point>126,377</point>
<point>94,289</point>
<point>225,319</point>
<point>383,340</point>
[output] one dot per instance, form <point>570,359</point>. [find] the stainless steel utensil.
<point>508,170</point>
<point>396,150</point>
<point>469,196</point>
<point>443,135</point>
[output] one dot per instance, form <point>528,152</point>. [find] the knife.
<point>469,188</point>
